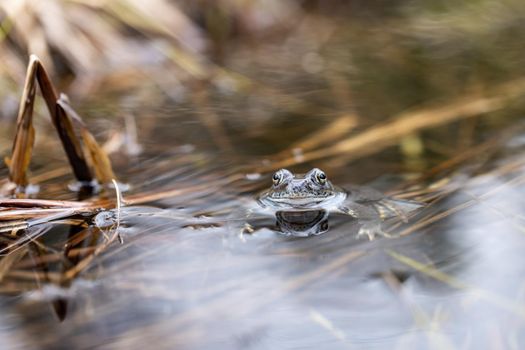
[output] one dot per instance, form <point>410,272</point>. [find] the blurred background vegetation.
<point>258,77</point>
<point>379,57</point>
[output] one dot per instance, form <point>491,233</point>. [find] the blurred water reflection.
<point>178,280</point>
<point>350,96</point>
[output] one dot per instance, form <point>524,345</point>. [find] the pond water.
<point>452,277</point>
<point>183,277</point>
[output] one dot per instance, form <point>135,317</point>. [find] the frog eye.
<point>320,177</point>
<point>276,178</point>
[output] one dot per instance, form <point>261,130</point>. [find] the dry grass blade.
<point>13,226</point>
<point>80,155</point>
<point>8,261</point>
<point>38,216</point>
<point>72,146</point>
<point>21,242</point>
<point>450,164</point>
<point>64,127</point>
<point>428,270</point>
<point>388,134</point>
<point>40,203</point>
<point>450,211</point>
<point>506,304</point>
<point>94,153</point>
<point>19,214</point>
<point>97,158</point>
<point>25,133</point>
<point>342,125</point>
<point>24,138</point>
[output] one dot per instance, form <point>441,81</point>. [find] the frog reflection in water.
<point>301,204</point>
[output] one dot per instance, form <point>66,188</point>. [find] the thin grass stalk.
<point>25,133</point>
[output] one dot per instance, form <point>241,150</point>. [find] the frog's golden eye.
<point>276,178</point>
<point>320,177</point>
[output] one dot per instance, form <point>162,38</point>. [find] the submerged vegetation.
<point>187,109</point>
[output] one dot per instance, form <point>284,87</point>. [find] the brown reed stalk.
<point>83,152</point>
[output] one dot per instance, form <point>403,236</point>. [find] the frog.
<point>313,194</point>
<point>296,192</point>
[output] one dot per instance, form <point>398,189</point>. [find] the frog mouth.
<point>292,196</point>
<point>301,201</point>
